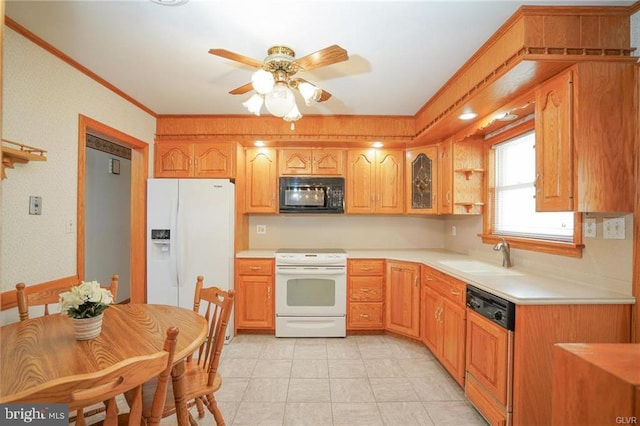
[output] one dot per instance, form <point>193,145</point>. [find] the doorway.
<point>107,215</point>
<point>137,202</point>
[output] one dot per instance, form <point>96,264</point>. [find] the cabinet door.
<point>214,160</point>
<point>360,182</point>
<point>327,162</point>
<point>421,180</point>
<point>173,159</point>
<point>403,298</point>
<point>295,161</point>
<point>389,181</point>
<point>261,181</point>
<point>487,355</point>
<point>452,321</point>
<point>554,145</point>
<point>445,177</point>
<point>430,325</point>
<point>254,302</point>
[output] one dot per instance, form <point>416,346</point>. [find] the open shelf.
<point>469,206</point>
<point>14,152</point>
<point>469,172</point>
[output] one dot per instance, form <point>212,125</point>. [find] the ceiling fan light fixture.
<point>293,115</point>
<point>262,81</point>
<point>280,101</point>
<point>310,93</point>
<point>254,103</point>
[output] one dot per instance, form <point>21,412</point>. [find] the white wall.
<point>42,98</point>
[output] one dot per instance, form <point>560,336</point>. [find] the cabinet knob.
<point>365,289</point>
<point>364,316</point>
<point>268,292</point>
<point>455,292</point>
<point>255,268</point>
<point>366,268</point>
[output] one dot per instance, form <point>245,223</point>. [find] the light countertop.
<point>520,287</point>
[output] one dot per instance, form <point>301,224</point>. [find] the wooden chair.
<point>201,378</point>
<point>84,390</point>
<point>49,296</point>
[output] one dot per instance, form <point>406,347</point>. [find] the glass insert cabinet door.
<point>422,183</point>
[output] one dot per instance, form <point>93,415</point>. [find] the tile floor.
<point>358,380</point>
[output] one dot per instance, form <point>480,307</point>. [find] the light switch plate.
<point>590,227</point>
<point>35,204</point>
<point>613,228</point>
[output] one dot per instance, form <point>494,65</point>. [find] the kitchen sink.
<point>477,268</point>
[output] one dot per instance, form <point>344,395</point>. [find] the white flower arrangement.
<point>86,300</point>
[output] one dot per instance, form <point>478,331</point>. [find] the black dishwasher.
<point>492,307</point>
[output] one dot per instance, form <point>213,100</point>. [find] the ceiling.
<point>401,52</point>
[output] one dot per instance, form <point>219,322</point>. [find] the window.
<point>511,199</point>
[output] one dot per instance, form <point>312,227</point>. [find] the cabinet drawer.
<point>366,289</point>
<point>366,315</point>
<point>366,267</point>
<point>445,285</point>
<point>254,266</point>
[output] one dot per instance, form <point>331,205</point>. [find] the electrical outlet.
<point>261,229</point>
<point>590,227</point>
<point>454,231</point>
<point>613,228</point>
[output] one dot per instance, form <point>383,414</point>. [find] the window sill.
<point>542,246</point>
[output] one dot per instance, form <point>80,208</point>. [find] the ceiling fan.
<point>274,78</point>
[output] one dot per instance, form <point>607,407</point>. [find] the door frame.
<point>139,173</point>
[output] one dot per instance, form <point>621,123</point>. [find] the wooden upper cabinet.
<point>461,176</point>
<point>185,159</point>
<point>421,175</point>
<point>261,183</point>
<point>375,181</point>
<point>554,145</point>
<point>307,161</point>
<point>584,139</point>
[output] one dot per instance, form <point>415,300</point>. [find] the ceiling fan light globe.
<point>254,103</point>
<point>262,81</point>
<point>293,115</point>
<point>280,100</point>
<point>310,93</point>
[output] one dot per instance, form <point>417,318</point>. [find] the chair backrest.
<point>28,297</point>
<point>87,389</point>
<point>216,304</point>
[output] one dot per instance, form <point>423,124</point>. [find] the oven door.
<point>311,291</point>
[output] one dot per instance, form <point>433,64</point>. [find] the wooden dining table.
<point>39,350</point>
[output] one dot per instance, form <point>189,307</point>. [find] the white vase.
<point>87,328</point>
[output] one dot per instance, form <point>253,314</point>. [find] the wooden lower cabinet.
<point>538,329</point>
<point>608,373</point>
<point>403,298</point>
<point>254,302</point>
<point>442,320</point>
<point>365,289</point>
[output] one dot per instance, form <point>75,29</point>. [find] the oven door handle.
<point>310,270</point>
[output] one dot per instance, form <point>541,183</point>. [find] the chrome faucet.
<point>503,246</point>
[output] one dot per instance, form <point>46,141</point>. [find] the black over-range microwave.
<point>306,194</point>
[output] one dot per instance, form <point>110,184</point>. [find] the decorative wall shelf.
<point>469,172</point>
<point>14,152</point>
<point>469,206</point>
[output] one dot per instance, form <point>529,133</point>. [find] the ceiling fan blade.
<point>324,96</point>
<point>242,89</point>
<point>322,58</point>
<point>236,57</point>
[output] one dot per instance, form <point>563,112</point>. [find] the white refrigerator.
<point>190,232</point>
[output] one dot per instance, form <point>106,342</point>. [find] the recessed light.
<point>377,144</point>
<point>170,2</point>
<point>258,143</point>
<point>467,116</point>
